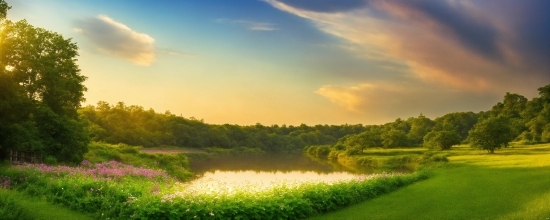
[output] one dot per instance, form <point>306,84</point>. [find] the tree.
<point>420,126</point>
<point>490,134</point>
<point>370,138</point>
<point>443,140</point>
<point>394,138</point>
<point>43,91</point>
<point>461,122</point>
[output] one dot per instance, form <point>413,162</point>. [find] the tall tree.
<point>39,68</point>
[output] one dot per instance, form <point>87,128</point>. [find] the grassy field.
<point>514,183</point>
<point>17,206</point>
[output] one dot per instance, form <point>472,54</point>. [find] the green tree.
<point>443,140</point>
<point>43,91</point>
<point>490,134</point>
<point>460,122</point>
<point>394,138</point>
<point>420,126</point>
<point>362,140</point>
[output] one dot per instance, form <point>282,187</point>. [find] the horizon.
<point>293,62</point>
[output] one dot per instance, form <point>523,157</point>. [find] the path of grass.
<point>15,205</point>
<point>513,184</point>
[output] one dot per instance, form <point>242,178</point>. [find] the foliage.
<point>420,126</point>
<point>358,142</point>
<point>115,190</point>
<point>491,134</point>
<point>394,138</point>
<point>442,140</point>
<point>134,125</point>
<point>94,188</point>
<point>318,151</point>
<point>432,157</point>
<point>9,209</point>
<point>177,165</point>
<point>42,88</point>
<point>278,201</point>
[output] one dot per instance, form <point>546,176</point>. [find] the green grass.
<point>15,205</point>
<point>514,183</point>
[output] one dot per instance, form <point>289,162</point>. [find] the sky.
<point>303,61</point>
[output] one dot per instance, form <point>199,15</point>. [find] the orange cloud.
<point>436,47</point>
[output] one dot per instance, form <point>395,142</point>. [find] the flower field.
<point>112,190</point>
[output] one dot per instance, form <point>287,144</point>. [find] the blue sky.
<point>303,61</point>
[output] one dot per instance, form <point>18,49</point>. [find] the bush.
<point>432,157</point>
<point>51,160</point>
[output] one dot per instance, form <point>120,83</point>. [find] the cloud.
<point>326,5</point>
<point>380,102</point>
<point>118,39</point>
<point>251,25</point>
<point>467,45</point>
<point>454,19</point>
<point>455,55</point>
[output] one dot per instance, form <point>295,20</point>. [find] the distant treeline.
<point>134,125</point>
<point>529,121</point>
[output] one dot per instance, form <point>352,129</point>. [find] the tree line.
<point>514,119</point>
<point>42,91</point>
<point>135,125</point>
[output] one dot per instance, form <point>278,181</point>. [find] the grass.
<point>513,183</point>
<point>176,164</point>
<point>15,205</point>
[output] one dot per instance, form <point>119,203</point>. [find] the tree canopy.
<point>42,91</point>
<point>490,134</point>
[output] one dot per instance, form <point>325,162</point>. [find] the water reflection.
<point>265,162</point>
<point>263,169</point>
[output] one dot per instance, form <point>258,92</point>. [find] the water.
<point>268,168</point>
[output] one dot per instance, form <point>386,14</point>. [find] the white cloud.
<point>115,38</point>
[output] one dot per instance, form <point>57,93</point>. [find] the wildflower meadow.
<point>112,190</point>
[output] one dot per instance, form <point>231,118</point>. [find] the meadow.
<point>511,184</point>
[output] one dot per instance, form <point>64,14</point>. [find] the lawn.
<point>514,183</point>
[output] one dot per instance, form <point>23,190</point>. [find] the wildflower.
<point>211,214</point>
